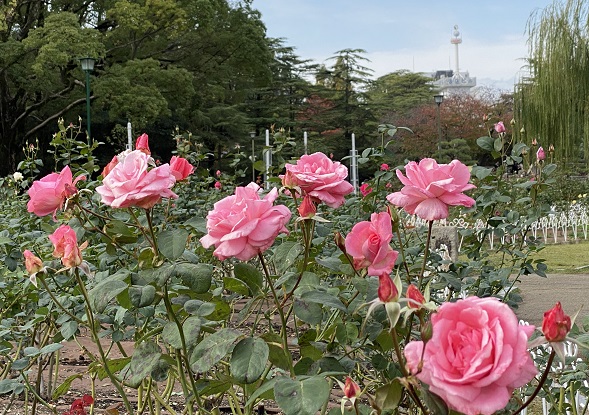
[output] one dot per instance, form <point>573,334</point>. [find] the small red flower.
<point>351,388</point>
<point>387,291</point>
<point>415,296</point>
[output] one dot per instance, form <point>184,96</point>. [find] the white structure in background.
<point>267,160</point>
<point>129,136</point>
<point>450,81</point>
<point>354,164</point>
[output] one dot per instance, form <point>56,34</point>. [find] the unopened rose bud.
<point>307,208</point>
<point>218,185</point>
<point>427,331</point>
<point>340,242</point>
<point>512,122</point>
<point>416,298</point>
<point>551,148</point>
<point>387,291</point>
<point>523,130</point>
<point>351,389</point>
<point>556,324</point>
<point>540,155</point>
<point>500,127</point>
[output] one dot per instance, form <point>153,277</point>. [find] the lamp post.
<point>438,99</point>
<point>253,136</point>
<point>87,66</point>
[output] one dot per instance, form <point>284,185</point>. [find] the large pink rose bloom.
<point>368,244</point>
<point>243,225</point>
<point>431,187</point>
<point>319,177</point>
<point>477,356</point>
<point>48,194</point>
<point>131,183</point>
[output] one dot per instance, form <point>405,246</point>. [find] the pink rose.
<point>142,144</point>
<point>111,165</point>
<point>365,189</point>
<point>243,225</point>
<point>499,127</point>
<point>368,244</point>
<point>218,185</point>
<point>33,264</point>
<point>351,389</point>
<point>556,324</point>
<point>384,167</point>
<point>540,155</point>
<point>65,245</point>
<point>180,168</point>
<point>48,194</point>
<point>319,177</point>
<point>431,187</point>
<point>130,183</point>
<point>477,356</point>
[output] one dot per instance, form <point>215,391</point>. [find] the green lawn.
<point>569,258</point>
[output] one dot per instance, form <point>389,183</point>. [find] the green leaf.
<point>236,286</point>
<point>69,329</point>
<point>114,365</point>
<point>486,143</point>
<point>172,243</point>
<point>65,386</point>
<point>144,360</point>
<point>142,296</point>
<point>190,328</point>
<point>278,356</point>
<point>498,144</point>
<point>105,291</point>
<point>50,348</point>
<point>249,359</point>
<point>212,349</point>
<point>387,397</point>
<point>8,385</point>
<point>286,254</point>
<point>250,275</point>
<point>321,297</point>
<point>548,169</point>
<point>266,386</point>
<point>308,311</point>
<point>304,397</point>
<point>197,277</point>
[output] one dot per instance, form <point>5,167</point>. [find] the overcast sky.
<point>412,34</point>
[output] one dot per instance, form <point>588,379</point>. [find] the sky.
<point>411,34</point>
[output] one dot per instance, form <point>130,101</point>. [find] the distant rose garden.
<point>303,296</point>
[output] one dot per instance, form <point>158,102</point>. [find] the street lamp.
<point>438,99</point>
<point>88,66</point>
<point>253,136</point>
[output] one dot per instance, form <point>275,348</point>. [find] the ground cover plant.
<point>234,296</point>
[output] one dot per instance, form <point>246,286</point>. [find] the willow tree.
<point>552,104</point>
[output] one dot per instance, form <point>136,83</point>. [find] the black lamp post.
<point>88,66</point>
<point>439,98</point>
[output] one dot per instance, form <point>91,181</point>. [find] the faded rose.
<point>132,183</point>
<point>180,168</point>
<point>319,177</point>
<point>33,263</point>
<point>477,356</point>
<point>48,194</point>
<point>431,187</point>
<point>556,324</point>
<point>368,243</point>
<point>244,225</point>
<point>65,243</point>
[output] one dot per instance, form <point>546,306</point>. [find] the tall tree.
<point>552,103</point>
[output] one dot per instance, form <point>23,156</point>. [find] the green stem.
<point>425,254</point>
<point>104,360</point>
<point>540,383</point>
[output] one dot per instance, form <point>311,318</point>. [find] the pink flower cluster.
<point>321,178</point>
<point>131,180</point>
<point>244,225</point>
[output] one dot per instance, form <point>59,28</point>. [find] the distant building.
<point>448,81</point>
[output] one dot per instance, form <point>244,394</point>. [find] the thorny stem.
<point>540,383</point>
<point>425,253</point>
<point>308,229</point>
